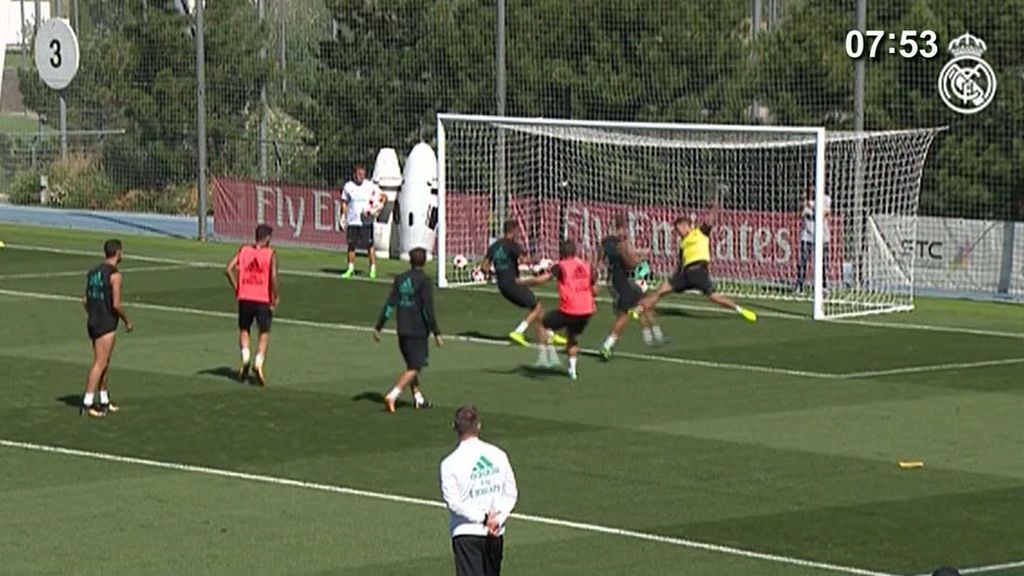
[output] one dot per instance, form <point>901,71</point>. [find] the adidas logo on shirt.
<point>482,469</point>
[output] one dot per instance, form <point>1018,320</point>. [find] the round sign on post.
<point>56,53</point>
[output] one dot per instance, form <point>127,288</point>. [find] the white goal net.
<point>762,188</point>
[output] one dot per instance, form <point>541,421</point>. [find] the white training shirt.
<point>477,478</point>
<point>807,231</point>
<point>358,197</point>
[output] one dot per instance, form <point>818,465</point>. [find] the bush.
<point>25,187</point>
<point>79,182</point>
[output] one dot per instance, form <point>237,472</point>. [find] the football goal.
<point>793,210</point>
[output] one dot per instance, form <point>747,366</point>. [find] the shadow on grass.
<point>529,371</point>
<point>72,400</point>
<point>228,373</point>
<point>482,336</point>
<point>377,398</point>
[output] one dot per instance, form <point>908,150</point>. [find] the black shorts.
<point>520,296</point>
<point>573,325</point>
<point>478,555</point>
<point>99,327</point>
<point>626,297</point>
<point>359,237</point>
<point>415,351</point>
<point>249,311</point>
<point>693,277</point>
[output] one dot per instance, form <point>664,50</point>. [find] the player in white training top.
<point>359,208</point>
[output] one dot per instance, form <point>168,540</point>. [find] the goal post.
<point>794,210</point>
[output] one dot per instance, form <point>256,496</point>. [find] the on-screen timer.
<point>905,43</point>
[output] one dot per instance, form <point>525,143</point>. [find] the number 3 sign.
<point>56,53</point>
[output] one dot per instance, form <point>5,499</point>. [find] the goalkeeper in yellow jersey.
<point>693,272</point>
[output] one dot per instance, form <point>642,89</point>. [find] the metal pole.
<point>78,29</point>
<point>501,89</point>
<point>262,136</point>
<point>284,76</point>
<point>858,158</point>
<point>755,28</point>
<point>35,32</point>
<point>858,67</point>
<point>63,103</point>
<point>502,86</point>
<point>21,31</point>
<point>201,116</point>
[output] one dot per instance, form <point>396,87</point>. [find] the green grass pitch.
<point>772,444</point>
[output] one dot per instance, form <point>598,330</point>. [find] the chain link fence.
<point>298,90</point>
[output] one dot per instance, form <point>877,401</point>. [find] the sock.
<point>351,266</point>
<point>609,342</point>
<point>418,396</point>
<point>104,398</point>
<point>393,395</point>
<point>259,360</point>
<point>656,331</point>
<point>246,355</point>
<point>739,309</point>
<point>648,336</point>
<point>572,364</point>
<point>548,335</point>
<point>522,326</point>
<point>373,268</point>
<point>87,399</point>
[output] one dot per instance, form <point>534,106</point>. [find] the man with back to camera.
<point>358,215</point>
<point>479,489</point>
<point>412,299</point>
<point>102,302</point>
<point>253,276</point>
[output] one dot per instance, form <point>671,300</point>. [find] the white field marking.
<point>331,488</point>
<point>934,368</point>
<point>491,342</point>
<point>81,273</point>
<point>993,568</point>
<point>670,305</point>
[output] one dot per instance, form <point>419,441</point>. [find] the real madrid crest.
<point>967,83</point>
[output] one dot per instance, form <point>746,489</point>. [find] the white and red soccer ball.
<point>544,265</point>
<point>478,276</point>
<point>460,262</point>
<point>377,204</point>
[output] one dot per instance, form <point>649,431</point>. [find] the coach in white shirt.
<point>479,489</point>
<point>807,237</point>
<point>358,213</point>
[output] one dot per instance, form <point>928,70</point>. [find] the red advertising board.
<point>299,214</point>
<point>746,244</point>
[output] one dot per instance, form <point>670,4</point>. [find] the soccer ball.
<point>478,276</point>
<point>460,262</point>
<point>642,284</point>
<point>377,203</point>
<point>543,266</point>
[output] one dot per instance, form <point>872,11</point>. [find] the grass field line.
<point>30,275</point>
<point>487,341</point>
<point>670,305</point>
<point>335,489</point>
<point>934,368</point>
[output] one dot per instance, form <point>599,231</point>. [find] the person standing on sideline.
<point>479,489</point>
<point>253,276</point>
<point>807,238</point>
<point>357,218</point>
<point>412,298</point>
<point>102,302</point>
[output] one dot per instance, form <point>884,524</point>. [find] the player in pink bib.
<point>577,286</point>
<point>253,275</point>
